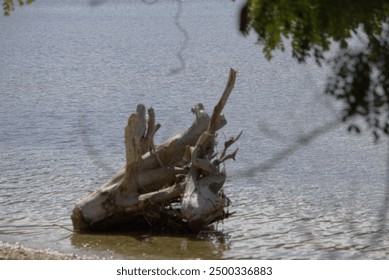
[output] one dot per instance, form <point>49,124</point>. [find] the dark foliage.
<point>9,5</point>
<point>360,74</point>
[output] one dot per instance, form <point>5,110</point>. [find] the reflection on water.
<point>150,246</point>
<point>70,76</point>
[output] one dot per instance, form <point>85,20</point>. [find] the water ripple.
<point>70,78</point>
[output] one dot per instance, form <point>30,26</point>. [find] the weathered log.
<point>202,203</point>
<point>203,200</point>
<point>178,179</point>
<point>139,175</point>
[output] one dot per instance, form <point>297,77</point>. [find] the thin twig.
<point>302,141</point>
<point>184,44</point>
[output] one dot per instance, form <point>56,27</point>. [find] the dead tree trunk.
<point>173,186</point>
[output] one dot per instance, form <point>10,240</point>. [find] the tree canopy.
<point>360,76</point>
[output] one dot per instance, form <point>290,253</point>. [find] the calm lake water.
<point>70,75</point>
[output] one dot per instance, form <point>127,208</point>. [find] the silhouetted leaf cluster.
<point>9,5</point>
<point>360,77</point>
<point>361,81</point>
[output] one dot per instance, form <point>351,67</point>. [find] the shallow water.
<point>71,74</point>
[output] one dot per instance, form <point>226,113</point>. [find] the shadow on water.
<point>208,245</point>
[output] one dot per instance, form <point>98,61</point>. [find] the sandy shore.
<point>18,252</point>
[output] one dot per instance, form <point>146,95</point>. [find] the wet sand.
<point>19,252</point>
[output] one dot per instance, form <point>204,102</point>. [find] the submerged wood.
<point>175,184</point>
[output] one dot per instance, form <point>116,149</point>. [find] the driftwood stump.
<point>174,186</point>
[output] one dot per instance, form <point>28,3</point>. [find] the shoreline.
<point>18,252</point>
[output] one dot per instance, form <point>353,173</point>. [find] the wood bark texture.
<point>175,186</point>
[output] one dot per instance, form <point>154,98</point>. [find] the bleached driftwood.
<point>176,184</point>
